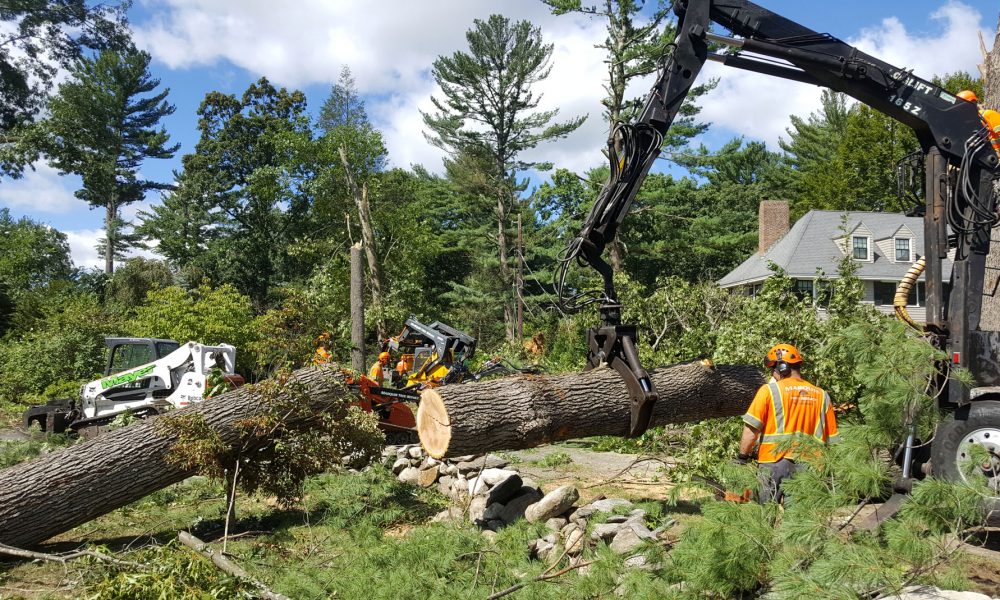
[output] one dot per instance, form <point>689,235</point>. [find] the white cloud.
<point>40,190</point>
<point>82,247</point>
<point>758,106</point>
<point>390,49</point>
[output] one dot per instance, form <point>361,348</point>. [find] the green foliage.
<point>17,451</point>
<point>281,446</point>
<point>173,573</point>
<point>555,459</point>
<point>126,289</point>
<point>32,255</point>
<point>64,348</point>
<point>205,314</point>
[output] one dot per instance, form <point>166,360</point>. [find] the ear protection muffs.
<point>783,368</point>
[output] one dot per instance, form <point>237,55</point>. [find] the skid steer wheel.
<point>951,452</point>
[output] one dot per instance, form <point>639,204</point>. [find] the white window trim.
<point>868,245</point>
<point>911,240</point>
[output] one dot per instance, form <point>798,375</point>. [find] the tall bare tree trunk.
<point>357,310</point>
<point>505,278</point>
<point>360,194</point>
<point>519,285</point>
<point>110,232</point>
<point>990,317</point>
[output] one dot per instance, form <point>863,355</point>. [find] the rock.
<point>637,515</point>
<point>575,541</point>
<point>444,484</point>
<point>641,531</point>
<point>452,513</point>
<point>543,550</point>
<point>552,504</point>
<point>635,562</point>
<point>476,486</point>
<point>402,451</point>
<point>461,459</point>
<point>399,465</point>
<point>606,531</point>
<point>493,512</point>
<point>415,452</point>
<point>410,475</point>
<point>568,528</point>
<point>529,482</point>
<point>626,541</point>
<point>495,462</point>
<point>495,476</point>
<point>477,508</point>
<point>450,470</point>
<point>459,489</point>
<point>917,592</point>
<point>616,519</point>
<point>556,523</point>
<point>431,462</point>
<point>490,535</point>
<point>505,489</point>
<point>515,508</point>
<point>427,477</point>
<point>609,504</point>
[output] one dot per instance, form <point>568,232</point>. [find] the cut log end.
<point>433,423</point>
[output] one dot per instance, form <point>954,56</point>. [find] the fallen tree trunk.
<point>58,491</point>
<point>527,411</point>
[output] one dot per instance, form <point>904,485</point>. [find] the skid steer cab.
<point>143,376</point>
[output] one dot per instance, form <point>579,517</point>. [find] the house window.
<point>860,245</point>
<point>885,292</point>
<point>804,288</point>
<point>903,250</point>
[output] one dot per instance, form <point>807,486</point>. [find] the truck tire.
<point>980,425</point>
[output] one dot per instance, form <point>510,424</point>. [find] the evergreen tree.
<point>38,37</point>
<point>488,106</point>
<point>102,126</point>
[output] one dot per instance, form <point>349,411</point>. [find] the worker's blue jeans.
<point>772,475</point>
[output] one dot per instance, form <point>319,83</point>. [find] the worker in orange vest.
<point>377,372</point>
<point>990,118</point>
<point>782,410</point>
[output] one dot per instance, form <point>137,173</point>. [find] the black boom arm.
<point>773,45</point>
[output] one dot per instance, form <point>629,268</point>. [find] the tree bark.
<point>58,491</point>
<point>357,311</point>
<point>110,232</point>
<point>360,194</point>
<point>527,411</point>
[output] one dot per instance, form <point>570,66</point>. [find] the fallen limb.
<point>58,491</point>
<point>227,566</point>
<point>543,577</point>
<point>68,556</point>
<point>527,411</point>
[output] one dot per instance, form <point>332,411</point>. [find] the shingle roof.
<point>811,245</point>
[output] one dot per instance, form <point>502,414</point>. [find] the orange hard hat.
<point>968,96</point>
<point>384,357</point>
<point>783,352</point>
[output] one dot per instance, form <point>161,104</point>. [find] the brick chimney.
<point>772,223</point>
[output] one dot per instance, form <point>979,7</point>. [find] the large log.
<point>58,491</point>
<point>527,411</point>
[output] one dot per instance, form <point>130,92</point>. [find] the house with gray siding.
<point>884,246</point>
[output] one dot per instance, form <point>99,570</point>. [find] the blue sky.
<point>204,45</point>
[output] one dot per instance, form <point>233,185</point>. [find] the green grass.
<point>16,451</point>
<point>556,459</point>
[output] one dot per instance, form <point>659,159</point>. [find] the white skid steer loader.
<point>144,376</point>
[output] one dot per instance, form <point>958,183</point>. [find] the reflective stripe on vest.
<point>779,409</point>
<point>821,422</point>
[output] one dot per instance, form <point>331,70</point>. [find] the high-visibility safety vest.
<point>376,374</point>
<point>991,119</point>
<point>784,409</point>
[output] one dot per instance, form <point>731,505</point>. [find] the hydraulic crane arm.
<point>770,44</point>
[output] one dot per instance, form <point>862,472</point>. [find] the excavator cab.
<point>433,354</point>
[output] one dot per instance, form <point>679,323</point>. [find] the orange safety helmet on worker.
<point>377,372</point>
<point>788,407</point>
<point>990,118</point>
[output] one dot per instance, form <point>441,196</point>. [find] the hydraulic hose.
<point>903,293</point>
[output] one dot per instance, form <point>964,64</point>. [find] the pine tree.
<point>102,126</point>
<point>488,106</point>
